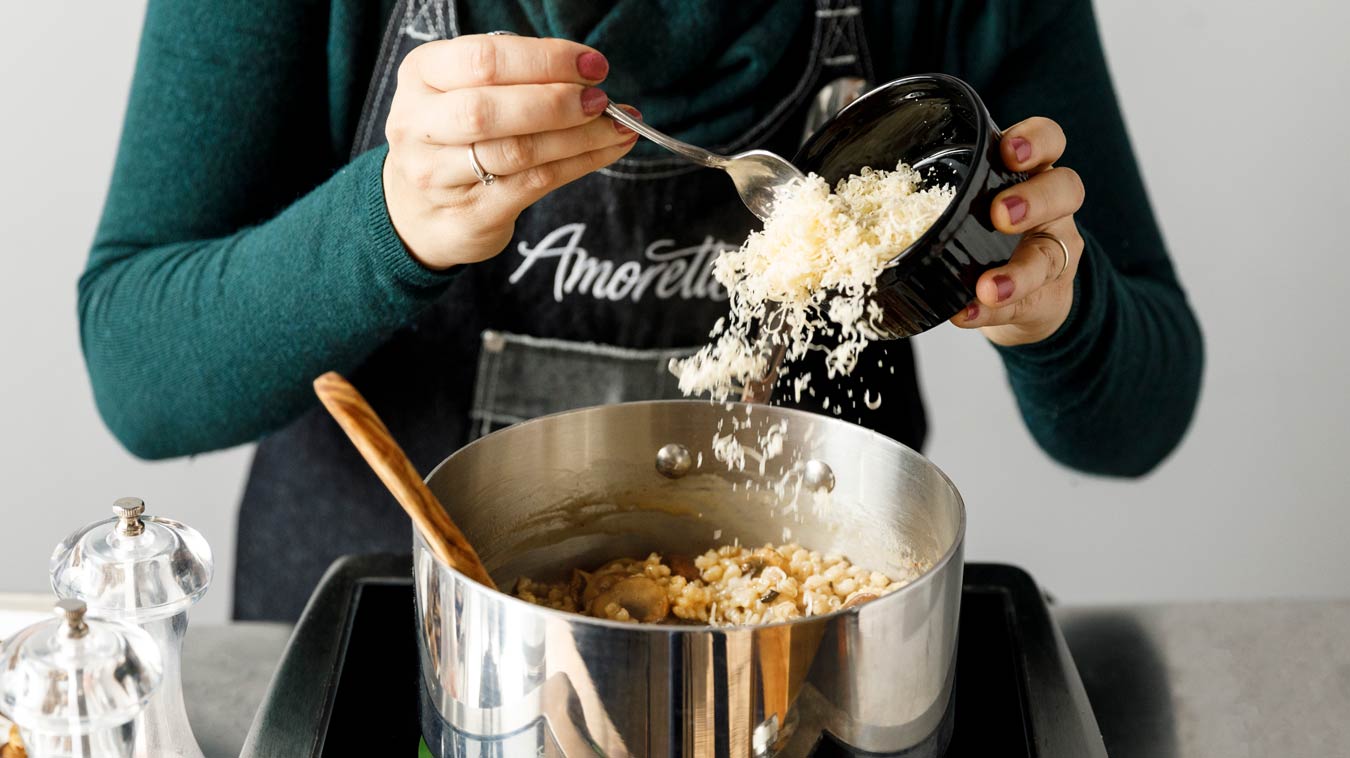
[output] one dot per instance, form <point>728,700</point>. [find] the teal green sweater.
<point>240,253</point>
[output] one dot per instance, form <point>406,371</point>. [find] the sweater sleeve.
<point>1114,389</point>
<point>235,260</point>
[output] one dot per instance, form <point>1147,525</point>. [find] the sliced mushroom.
<point>618,566</point>
<point>578,585</point>
<point>683,565</point>
<point>860,597</point>
<point>643,598</point>
<point>760,559</point>
<point>597,584</point>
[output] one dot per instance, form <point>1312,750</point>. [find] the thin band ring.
<point>1064,264</point>
<point>484,176</point>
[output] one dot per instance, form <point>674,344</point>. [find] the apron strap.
<point>843,40</point>
<point>411,23</point>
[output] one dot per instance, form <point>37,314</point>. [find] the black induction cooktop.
<point>348,682</point>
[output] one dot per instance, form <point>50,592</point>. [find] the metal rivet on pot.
<point>818,476</point>
<point>673,460</point>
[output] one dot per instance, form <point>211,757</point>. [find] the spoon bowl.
<point>756,173</point>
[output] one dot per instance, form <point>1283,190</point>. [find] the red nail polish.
<point>1004,285</point>
<point>1021,148</point>
<point>630,110</point>
<point>1017,209</point>
<point>592,66</point>
<point>593,101</point>
<point>972,312</point>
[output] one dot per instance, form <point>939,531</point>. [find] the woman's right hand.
<point>530,109</point>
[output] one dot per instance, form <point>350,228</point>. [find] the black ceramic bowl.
<point>937,124</point>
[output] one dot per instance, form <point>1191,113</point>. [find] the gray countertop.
<point>226,670</point>
<point>1166,681</point>
<point>1217,679</point>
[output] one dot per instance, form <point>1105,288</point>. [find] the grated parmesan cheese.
<point>810,273</point>
<point>800,383</point>
<point>869,402</point>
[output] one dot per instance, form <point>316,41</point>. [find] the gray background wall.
<point>1236,114</point>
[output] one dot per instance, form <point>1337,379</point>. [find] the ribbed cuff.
<point>391,253</point>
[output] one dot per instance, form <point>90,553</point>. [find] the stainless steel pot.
<point>503,677</point>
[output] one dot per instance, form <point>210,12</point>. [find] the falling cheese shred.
<point>810,274</point>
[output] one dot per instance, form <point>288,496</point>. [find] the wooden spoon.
<point>391,464</point>
<point>761,390</point>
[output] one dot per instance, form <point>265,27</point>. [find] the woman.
<point>445,216</point>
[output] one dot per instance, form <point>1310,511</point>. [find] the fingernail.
<point>630,110</point>
<point>593,101</point>
<point>972,312</point>
<point>1017,208</point>
<point>592,66</point>
<point>1004,285</point>
<point>1021,148</point>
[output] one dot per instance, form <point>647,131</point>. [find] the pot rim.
<point>579,618</point>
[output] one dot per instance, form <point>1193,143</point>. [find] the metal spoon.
<point>757,173</point>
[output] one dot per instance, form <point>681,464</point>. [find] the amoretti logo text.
<point>665,271</point>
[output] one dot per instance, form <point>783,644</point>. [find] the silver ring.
<point>502,34</point>
<point>483,174</point>
<point>1064,265</point>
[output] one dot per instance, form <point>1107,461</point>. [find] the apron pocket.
<point>521,377</point>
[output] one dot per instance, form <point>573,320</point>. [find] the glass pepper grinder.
<point>147,571</point>
<point>75,686</point>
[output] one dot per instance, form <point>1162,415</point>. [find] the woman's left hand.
<point>1029,297</point>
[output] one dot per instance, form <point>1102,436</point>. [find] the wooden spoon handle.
<point>761,390</point>
<point>391,464</point>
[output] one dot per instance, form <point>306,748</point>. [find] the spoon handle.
<point>761,390</point>
<point>692,152</point>
<point>391,464</point>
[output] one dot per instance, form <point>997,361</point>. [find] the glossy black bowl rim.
<point>941,229</point>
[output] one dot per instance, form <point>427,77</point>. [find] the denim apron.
<point>605,280</point>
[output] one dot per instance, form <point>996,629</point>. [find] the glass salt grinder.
<point>147,571</point>
<point>75,686</point>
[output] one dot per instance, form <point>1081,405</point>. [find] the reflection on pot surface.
<point>580,488</point>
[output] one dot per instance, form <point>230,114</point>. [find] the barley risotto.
<point>727,586</point>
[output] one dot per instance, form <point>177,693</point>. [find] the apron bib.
<point>605,280</point>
